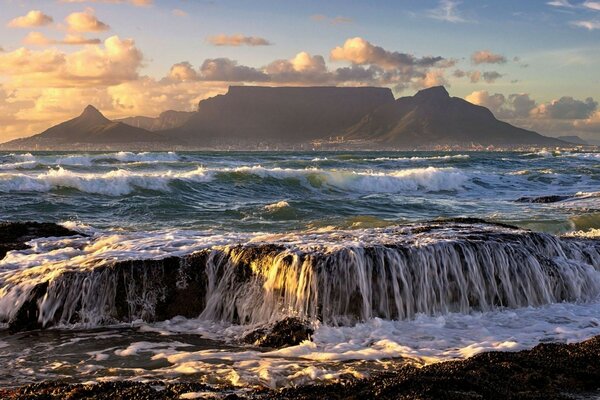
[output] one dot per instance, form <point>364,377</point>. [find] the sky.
<point>534,63</point>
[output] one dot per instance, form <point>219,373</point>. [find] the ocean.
<point>385,254</point>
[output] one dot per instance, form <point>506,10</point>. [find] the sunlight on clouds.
<point>39,39</point>
<point>237,40</point>
<point>33,18</point>
<point>85,22</point>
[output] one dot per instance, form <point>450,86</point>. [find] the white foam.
<point>277,206</point>
<point>447,157</point>
<point>429,179</point>
<point>422,340</point>
<point>114,183</point>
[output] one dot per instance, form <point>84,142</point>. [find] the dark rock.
<point>543,199</point>
<point>13,235</point>
<point>27,317</point>
<point>284,333</point>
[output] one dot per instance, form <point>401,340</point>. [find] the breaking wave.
<point>114,183</point>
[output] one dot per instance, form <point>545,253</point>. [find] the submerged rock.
<point>284,333</point>
<point>543,199</point>
<point>14,235</point>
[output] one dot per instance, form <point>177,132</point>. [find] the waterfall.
<point>391,274</point>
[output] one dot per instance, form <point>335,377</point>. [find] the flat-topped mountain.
<point>166,120</point>
<point>280,115</point>
<point>431,117</point>
<point>89,130</point>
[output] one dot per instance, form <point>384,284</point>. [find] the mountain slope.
<point>166,120</point>
<point>279,115</point>
<point>89,130</point>
<point>431,117</point>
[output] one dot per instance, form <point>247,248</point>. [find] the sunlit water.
<point>149,205</point>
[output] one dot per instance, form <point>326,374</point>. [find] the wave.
<point>430,179</point>
<point>277,206</point>
<point>121,182</point>
<point>114,183</point>
<point>28,160</point>
<point>447,157</point>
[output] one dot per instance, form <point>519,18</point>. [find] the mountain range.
<point>252,117</point>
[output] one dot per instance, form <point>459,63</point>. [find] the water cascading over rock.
<point>340,278</point>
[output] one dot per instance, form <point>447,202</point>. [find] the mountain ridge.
<point>256,117</point>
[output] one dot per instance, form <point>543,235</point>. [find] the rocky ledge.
<point>548,371</point>
<point>15,235</point>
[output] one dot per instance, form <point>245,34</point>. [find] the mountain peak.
<point>91,113</point>
<point>433,92</point>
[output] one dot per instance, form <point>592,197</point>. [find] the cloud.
<point>331,20</point>
<point>565,116</point>
<point>237,40</point>
<point>34,18</point>
<point>447,10</point>
<point>568,108</point>
<point>117,61</point>
<point>303,68</point>
<point>592,5</point>
<point>560,3</point>
<point>513,106</point>
<point>361,52</point>
<point>137,3</point>
<point>227,70</point>
<point>475,76</point>
<point>179,13</point>
<point>39,39</point>
<point>183,72</point>
<point>85,22</point>
<point>487,57</point>
<point>491,76</point>
<point>590,25</point>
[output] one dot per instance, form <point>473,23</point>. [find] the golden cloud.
<point>33,18</point>
<point>237,40</point>
<point>85,22</point>
<point>39,39</point>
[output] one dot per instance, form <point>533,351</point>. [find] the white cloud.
<point>590,25</point>
<point>447,10</point>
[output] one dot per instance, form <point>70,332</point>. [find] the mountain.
<point>433,118</point>
<point>249,115</point>
<point>254,117</point>
<point>166,120</point>
<point>90,130</point>
<point>574,139</point>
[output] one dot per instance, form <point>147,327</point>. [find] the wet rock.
<point>284,333</point>
<point>110,391</point>
<point>14,235</point>
<point>27,317</point>
<point>548,372</point>
<point>543,199</point>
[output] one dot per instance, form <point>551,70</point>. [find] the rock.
<point>13,235</point>
<point>548,372</point>
<point>543,199</point>
<point>284,333</point>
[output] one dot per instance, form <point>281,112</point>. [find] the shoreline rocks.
<point>549,371</point>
